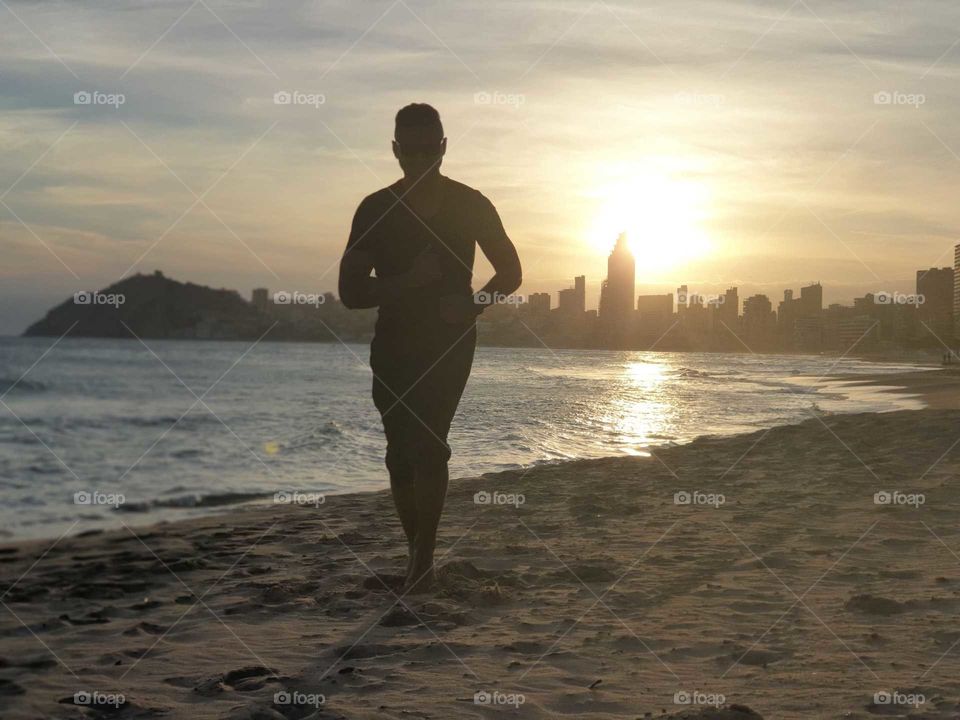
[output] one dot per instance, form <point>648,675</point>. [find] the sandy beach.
<point>937,388</point>
<point>794,572</point>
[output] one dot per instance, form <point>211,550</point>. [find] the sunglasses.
<point>429,150</point>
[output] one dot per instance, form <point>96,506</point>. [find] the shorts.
<point>418,379</point>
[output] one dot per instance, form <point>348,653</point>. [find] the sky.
<point>763,145</point>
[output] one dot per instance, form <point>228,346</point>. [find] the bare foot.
<point>420,581</point>
<point>421,576</point>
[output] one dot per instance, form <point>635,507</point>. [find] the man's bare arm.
<point>502,254</point>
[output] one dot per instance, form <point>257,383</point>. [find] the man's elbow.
<point>348,298</point>
<point>513,279</point>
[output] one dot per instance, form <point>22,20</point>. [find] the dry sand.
<point>799,596</point>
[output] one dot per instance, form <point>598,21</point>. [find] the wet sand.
<point>937,388</point>
<point>796,571</point>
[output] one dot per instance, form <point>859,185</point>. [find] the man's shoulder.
<point>464,192</point>
<point>384,197</point>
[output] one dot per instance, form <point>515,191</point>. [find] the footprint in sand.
<point>732,712</point>
<point>245,679</point>
<point>145,628</point>
<point>874,605</point>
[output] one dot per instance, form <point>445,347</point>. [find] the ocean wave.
<point>316,437</point>
<point>194,500</point>
<point>691,373</point>
<point>23,385</point>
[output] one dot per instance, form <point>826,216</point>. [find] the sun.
<point>662,215</point>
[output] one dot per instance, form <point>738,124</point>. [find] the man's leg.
<point>430,481</point>
<point>388,388</point>
<point>402,487</point>
<point>434,402</point>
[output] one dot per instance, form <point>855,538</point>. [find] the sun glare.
<point>662,216</point>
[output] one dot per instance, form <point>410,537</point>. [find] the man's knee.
<point>431,454</point>
<point>398,463</point>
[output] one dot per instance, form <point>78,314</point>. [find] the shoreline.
<point>601,593</point>
<point>927,386</point>
<point>937,388</point>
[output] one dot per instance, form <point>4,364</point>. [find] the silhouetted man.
<point>419,237</point>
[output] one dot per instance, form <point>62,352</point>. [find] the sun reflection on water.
<point>637,412</point>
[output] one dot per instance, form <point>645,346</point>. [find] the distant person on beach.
<point>419,236</point>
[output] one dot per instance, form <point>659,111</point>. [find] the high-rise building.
<point>729,310</point>
<point>682,299</point>
<point>759,320</point>
<point>573,301</point>
<point>655,308</point>
<point>654,316</point>
<point>935,288</point>
<point>811,300</point>
<point>956,291</point>
<point>539,302</point>
<point>800,320</point>
<point>616,294</point>
<point>580,286</point>
<point>621,280</point>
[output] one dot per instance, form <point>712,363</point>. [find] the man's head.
<point>418,141</point>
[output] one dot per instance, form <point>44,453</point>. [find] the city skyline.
<point>932,276</point>
<point>687,319</point>
<point>927,317</point>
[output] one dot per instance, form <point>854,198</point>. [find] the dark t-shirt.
<point>395,235</point>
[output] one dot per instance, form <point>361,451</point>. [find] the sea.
<point>97,433</point>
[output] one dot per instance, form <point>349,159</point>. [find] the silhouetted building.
<point>682,298</point>
<point>935,305</point>
<point>759,321</point>
<point>729,310</point>
<point>616,295</point>
<point>811,300</point>
<point>799,320</point>
<point>654,317</point>
<point>655,306</point>
<point>539,303</point>
<point>259,298</point>
<point>573,301</point>
<point>896,322</point>
<point>860,330</point>
<point>956,291</point>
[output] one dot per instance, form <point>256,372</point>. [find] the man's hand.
<point>424,271</point>
<point>458,308</point>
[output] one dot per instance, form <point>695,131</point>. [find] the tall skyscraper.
<point>759,321</point>
<point>617,294</point>
<point>621,280</point>
<point>729,310</point>
<point>573,301</point>
<point>811,300</point>
<point>956,291</point>
<point>935,288</point>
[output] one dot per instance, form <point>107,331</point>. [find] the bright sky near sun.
<point>758,144</point>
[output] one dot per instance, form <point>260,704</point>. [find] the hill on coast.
<point>155,306</point>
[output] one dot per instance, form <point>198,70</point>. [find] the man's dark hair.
<point>418,115</point>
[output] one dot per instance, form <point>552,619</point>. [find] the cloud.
<point>762,105</point>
